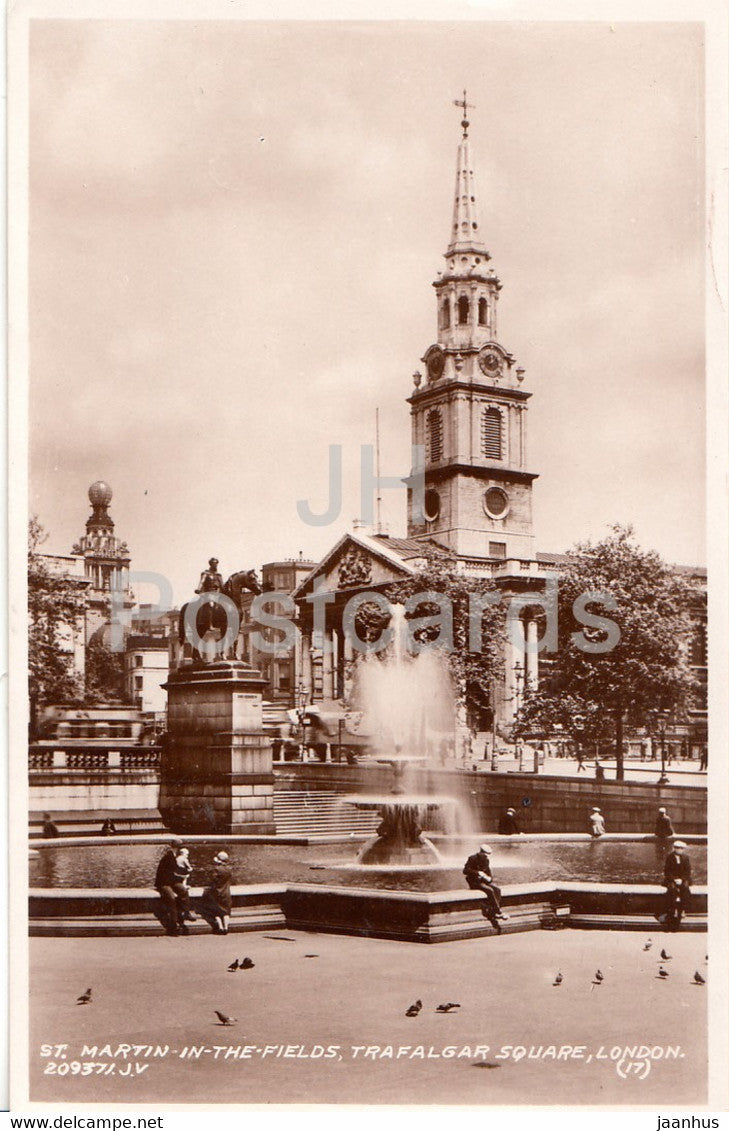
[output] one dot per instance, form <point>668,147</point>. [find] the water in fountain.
<point>408,708</point>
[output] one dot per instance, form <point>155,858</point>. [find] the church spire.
<point>465,230</point>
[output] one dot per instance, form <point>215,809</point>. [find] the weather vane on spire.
<point>464,106</point>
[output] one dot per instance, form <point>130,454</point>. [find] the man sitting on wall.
<point>677,879</point>
<point>170,882</point>
<point>477,871</point>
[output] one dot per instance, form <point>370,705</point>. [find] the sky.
<point>234,230</point>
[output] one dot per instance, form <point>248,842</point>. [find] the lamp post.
<point>518,677</point>
<point>302,720</point>
<point>663,719</point>
<point>494,755</point>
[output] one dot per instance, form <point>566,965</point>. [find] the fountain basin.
<point>115,863</point>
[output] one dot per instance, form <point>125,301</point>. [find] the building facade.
<point>469,493</point>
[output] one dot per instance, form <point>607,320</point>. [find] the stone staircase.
<point>311,812</point>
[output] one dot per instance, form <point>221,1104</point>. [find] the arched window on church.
<point>463,309</point>
<point>483,311</point>
<point>491,434</point>
<point>434,436</point>
<point>445,314</point>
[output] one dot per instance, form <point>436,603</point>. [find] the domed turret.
<point>100,494</point>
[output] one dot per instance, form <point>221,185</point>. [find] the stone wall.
<point>543,803</point>
<point>90,790</point>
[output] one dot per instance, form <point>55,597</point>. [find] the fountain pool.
<point>109,866</point>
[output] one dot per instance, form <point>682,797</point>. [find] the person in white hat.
<point>508,825</point>
<point>664,828</point>
<point>217,899</point>
<point>677,880</point>
<point>477,871</point>
<point>597,822</point>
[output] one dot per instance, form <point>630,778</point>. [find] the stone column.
<point>531,656</point>
<point>307,676</point>
<point>513,683</point>
<point>216,773</point>
<point>328,665</point>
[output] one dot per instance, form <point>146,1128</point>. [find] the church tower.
<point>470,413</point>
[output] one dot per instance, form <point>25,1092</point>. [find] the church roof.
<point>409,547</point>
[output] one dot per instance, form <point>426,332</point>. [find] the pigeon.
<point>662,973</point>
<point>599,976</point>
<point>247,964</point>
<point>85,998</point>
<point>233,966</point>
<point>648,945</point>
<point>698,979</point>
<point>224,1019</point>
<point>414,1009</point>
<point>558,980</point>
<point>447,1007</point>
<point>665,957</point>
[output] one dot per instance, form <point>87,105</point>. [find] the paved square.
<point>310,1009</point>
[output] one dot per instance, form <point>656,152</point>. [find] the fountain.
<point>407,705</point>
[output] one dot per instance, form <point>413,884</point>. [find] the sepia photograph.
<point>367,416</point>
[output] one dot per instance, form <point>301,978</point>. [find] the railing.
<point>54,759</point>
<point>503,567</point>
<point>40,760</point>
<point>145,758</point>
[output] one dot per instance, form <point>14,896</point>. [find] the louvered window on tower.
<point>445,319</point>
<point>482,312</point>
<point>435,436</point>
<point>491,434</point>
<point>463,309</point>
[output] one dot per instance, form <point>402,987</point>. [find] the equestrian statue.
<point>211,614</point>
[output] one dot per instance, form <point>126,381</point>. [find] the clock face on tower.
<point>489,363</point>
<point>436,364</point>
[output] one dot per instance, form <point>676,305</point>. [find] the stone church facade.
<point>469,492</point>
<point>470,486</point>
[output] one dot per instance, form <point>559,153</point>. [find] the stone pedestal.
<point>217,773</point>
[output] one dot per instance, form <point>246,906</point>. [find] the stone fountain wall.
<point>544,803</point>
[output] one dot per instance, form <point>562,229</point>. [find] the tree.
<point>475,653</point>
<point>611,678</point>
<point>104,672</point>
<point>56,614</point>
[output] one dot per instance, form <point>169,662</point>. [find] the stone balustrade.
<point>53,759</point>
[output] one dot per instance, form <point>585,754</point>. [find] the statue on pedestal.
<point>211,615</point>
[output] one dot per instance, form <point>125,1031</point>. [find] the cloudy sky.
<point>234,228</point>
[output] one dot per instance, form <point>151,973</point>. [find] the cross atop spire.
<point>465,105</point>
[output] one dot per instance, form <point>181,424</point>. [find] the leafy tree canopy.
<point>606,674</point>
<point>55,611</point>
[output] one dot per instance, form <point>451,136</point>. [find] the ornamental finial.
<point>464,105</point>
